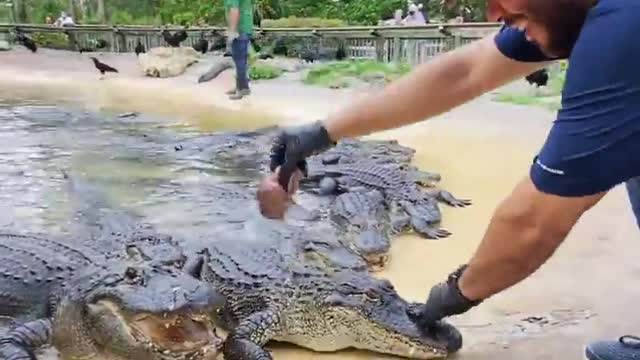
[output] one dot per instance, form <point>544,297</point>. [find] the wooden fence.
<point>410,44</point>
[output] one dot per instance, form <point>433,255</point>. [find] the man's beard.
<point>563,20</point>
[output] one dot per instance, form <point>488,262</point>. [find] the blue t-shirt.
<point>594,143</point>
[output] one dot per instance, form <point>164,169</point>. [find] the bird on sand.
<point>140,49</point>
<point>102,67</point>
<point>202,45</point>
<point>26,41</point>
<point>539,78</point>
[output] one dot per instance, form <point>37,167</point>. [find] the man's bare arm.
<point>524,232</point>
<point>234,19</point>
<point>435,87</point>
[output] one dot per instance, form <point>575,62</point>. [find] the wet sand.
<point>585,292</point>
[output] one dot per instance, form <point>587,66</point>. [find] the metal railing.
<point>409,44</point>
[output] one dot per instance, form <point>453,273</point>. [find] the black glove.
<point>445,299</point>
<point>293,145</point>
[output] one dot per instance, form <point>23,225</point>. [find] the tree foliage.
<point>192,12</point>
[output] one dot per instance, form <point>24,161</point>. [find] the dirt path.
<point>481,149</point>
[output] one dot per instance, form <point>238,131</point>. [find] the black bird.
<point>101,44</point>
<point>540,78</point>
<point>255,45</point>
<point>341,54</point>
<point>280,47</point>
<point>97,44</point>
<point>175,39</point>
<point>202,45</point>
<point>102,67</point>
<point>27,42</point>
<point>309,56</point>
<point>139,49</point>
<point>218,44</point>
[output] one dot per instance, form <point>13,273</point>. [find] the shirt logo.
<point>551,170</point>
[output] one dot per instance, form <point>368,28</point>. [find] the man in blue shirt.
<point>592,146</point>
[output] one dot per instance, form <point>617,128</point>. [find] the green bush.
<point>260,71</point>
<point>300,22</point>
<point>51,40</point>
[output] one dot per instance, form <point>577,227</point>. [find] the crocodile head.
<point>373,245</point>
<point>125,311</point>
<point>367,227</point>
<point>155,248</point>
<point>368,313</point>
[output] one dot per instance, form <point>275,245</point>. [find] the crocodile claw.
<point>451,200</point>
<point>433,233</point>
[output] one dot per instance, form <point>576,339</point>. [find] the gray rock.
<point>216,69</point>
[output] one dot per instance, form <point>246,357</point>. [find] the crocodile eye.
<point>371,294</point>
<point>134,252</point>
<point>133,276</point>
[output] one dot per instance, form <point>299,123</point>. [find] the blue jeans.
<point>240,55</point>
<point>633,189</point>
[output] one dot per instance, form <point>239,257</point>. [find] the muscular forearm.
<point>524,232</point>
<point>508,254</point>
<point>435,87</point>
<point>430,89</point>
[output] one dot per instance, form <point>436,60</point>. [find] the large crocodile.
<point>89,307</point>
<point>271,294</point>
<point>409,202</point>
<point>316,289</point>
<point>110,287</point>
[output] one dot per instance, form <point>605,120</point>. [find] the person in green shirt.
<point>239,14</point>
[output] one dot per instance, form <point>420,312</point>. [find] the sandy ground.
<point>584,293</point>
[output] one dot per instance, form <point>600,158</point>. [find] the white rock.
<point>167,61</point>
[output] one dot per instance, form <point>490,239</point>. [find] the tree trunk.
<point>20,11</point>
<point>100,14</point>
<point>73,10</point>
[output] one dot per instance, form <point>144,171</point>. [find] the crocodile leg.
<point>400,224</point>
<point>20,342</point>
<point>426,230</point>
<point>424,220</point>
<point>246,340</point>
<point>447,198</point>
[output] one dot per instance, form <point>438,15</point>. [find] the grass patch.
<point>51,40</point>
<point>340,74</point>
<point>549,102</point>
<point>260,71</point>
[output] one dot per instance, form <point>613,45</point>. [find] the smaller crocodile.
<point>242,154</point>
<point>364,220</point>
<point>89,307</point>
<point>350,150</point>
<point>246,152</point>
<point>410,204</point>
